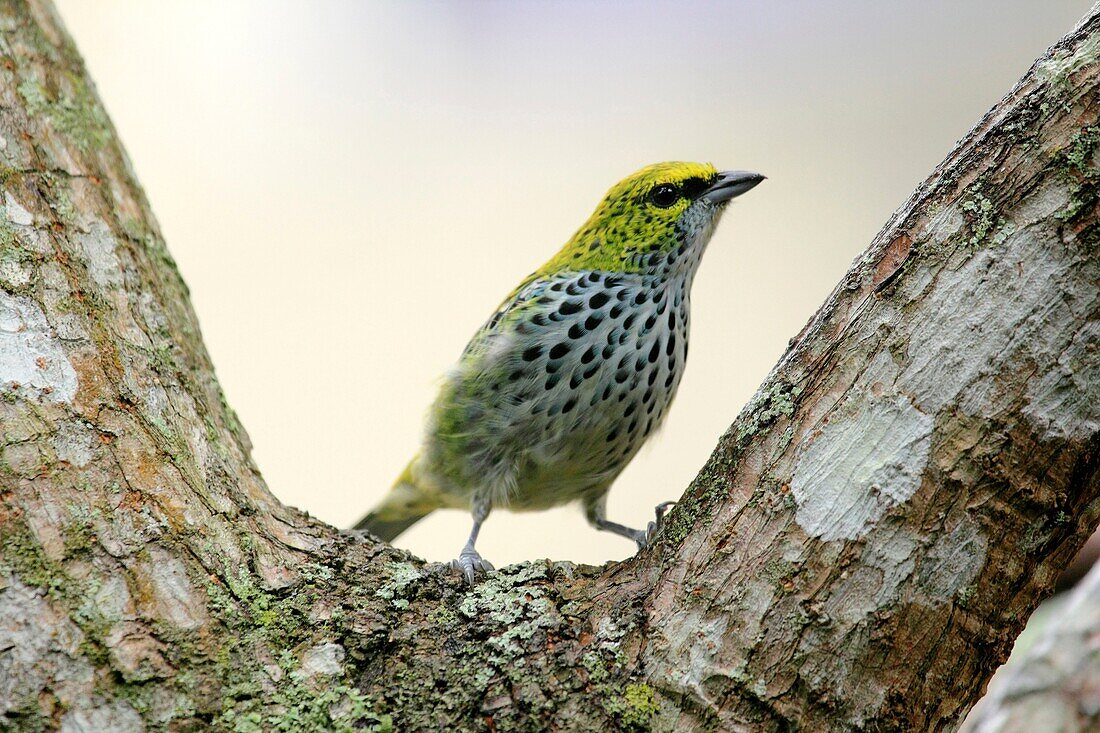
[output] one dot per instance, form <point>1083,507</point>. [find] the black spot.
<point>612,281</point>
<point>552,381</point>
<point>569,405</point>
<point>621,376</point>
<point>694,187</point>
<point>556,287</point>
<point>640,298</point>
<point>606,392</point>
<point>575,380</point>
<point>594,246</point>
<point>552,366</point>
<point>670,379</point>
<point>648,395</point>
<point>612,435</point>
<point>653,259</point>
<point>560,349</point>
<point>623,361</point>
<point>598,300</point>
<point>538,319</point>
<point>591,370</point>
<point>617,310</point>
<point>655,351</point>
<point>516,375</point>
<point>640,364</point>
<point>588,355</point>
<point>532,353</point>
<point>671,345</point>
<point>622,295</point>
<point>576,331</point>
<point>593,320</point>
<point>524,329</point>
<point>649,409</point>
<point>672,320</point>
<point>608,351</point>
<point>663,307</point>
<point>633,426</point>
<point>569,307</point>
<point>630,320</point>
<point>574,288</point>
<point>652,377</point>
<point>630,409</point>
<point>648,427</point>
<point>650,323</point>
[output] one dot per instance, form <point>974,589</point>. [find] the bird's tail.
<point>404,505</point>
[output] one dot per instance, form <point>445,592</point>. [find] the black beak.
<point>730,184</point>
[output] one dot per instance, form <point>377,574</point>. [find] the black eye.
<point>664,195</point>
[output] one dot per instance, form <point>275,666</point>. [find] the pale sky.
<point>349,188</point>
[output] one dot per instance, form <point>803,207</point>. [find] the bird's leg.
<point>469,562</point>
<point>596,513</point>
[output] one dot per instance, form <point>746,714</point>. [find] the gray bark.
<point>858,553</point>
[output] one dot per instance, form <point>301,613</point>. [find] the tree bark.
<point>1054,684</point>
<point>858,553</point>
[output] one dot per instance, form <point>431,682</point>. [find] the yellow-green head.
<point>649,214</point>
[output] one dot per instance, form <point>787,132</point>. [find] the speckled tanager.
<point>557,391</point>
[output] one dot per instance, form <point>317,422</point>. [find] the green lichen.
<point>401,577</point>
<point>300,704</point>
<point>1061,66</point>
<point>74,113</point>
<point>641,706</point>
<point>780,572</point>
<point>982,215</point>
<point>1079,169</point>
<point>519,609</point>
<point>768,405</point>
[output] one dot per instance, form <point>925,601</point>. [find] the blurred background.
<point>350,188</point>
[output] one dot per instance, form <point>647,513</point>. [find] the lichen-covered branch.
<point>858,553</point>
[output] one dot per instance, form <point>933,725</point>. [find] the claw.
<point>470,564</point>
<point>654,527</point>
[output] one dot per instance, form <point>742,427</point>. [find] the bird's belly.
<point>562,424</point>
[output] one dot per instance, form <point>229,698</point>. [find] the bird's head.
<point>653,219</point>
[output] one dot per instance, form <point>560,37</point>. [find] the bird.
<point>562,385</point>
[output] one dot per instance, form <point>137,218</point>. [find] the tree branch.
<point>858,553</point>
<point>1052,685</point>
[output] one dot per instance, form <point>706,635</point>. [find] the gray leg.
<point>469,562</point>
<point>596,513</point>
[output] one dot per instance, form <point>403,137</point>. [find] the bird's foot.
<point>646,537</point>
<point>471,564</point>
